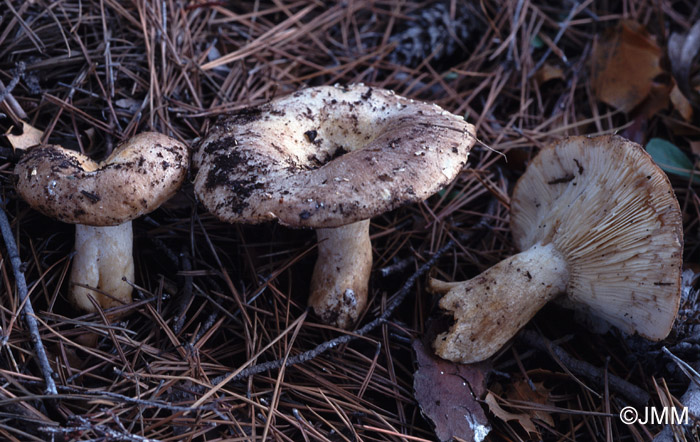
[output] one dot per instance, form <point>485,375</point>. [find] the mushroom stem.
<point>341,275</point>
<point>103,256</point>
<point>490,308</point>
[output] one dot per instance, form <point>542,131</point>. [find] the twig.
<point>582,368</point>
<point>86,425</point>
<point>340,340</point>
<point>511,46</point>
<point>6,92</point>
<point>27,310</point>
<point>206,325</point>
<point>562,29</point>
<point>396,267</point>
<point>69,392</point>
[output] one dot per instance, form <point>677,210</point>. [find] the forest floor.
<point>215,301</point>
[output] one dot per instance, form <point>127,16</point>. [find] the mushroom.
<point>598,222</point>
<point>102,199</point>
<point>330,158</point>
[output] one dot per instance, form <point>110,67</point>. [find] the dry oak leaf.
<point>521,390</point>
<point>30,136</point>
<point>523,419</point>
<point>548,72</point>
<point>625,61</point>
<point>681,103</point>
<point>448,395</point>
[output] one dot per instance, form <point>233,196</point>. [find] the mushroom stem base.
<point>341,275</point>
<point>490,308</point>
<point>103,256</point>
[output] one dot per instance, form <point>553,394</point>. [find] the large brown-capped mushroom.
<point>330,158</point>
<point>596,220</point>
<point>102,199</point>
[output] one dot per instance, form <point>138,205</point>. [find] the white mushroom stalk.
<point>102,199</point>
<point>340,280</point>
<point>600,225</point>
<point>103,266</point>
<point>501,299</point>
<point>327,157</point>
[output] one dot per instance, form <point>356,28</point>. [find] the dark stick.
<point>398,266</point>
<point>635,394</point>
<point>560,34</point>
<point>6,93</point>
<point>27,310</point>
<point>103,430</point>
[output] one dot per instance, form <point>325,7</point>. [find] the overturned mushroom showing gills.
<point>102,199</point>
<point>330,158</point>
<point>598,222</point>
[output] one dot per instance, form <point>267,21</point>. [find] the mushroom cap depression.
<point>328,156</point>
<point>135,179</point>
<point>611,212</point>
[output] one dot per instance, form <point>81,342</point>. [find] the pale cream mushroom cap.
<point>612,213</point>
<point>136,179</point>
<point>328,156</point>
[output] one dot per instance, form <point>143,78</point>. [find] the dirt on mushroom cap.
<point>612,213</point>
<point>329,156</point>
<point>139,176</point>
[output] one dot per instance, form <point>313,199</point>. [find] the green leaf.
<point>671,159</point>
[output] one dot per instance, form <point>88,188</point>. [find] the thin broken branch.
<point>27,309</point>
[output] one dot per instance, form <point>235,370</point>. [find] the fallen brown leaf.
<point>522,391</point>
<point>681,103</point>
<point>548,72</point>
<point>625,61</point>
<point>448,395</point>
<point>30,136</point>
<point>523,419</point>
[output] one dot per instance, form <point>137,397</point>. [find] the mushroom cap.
<point>328,156</point>
<point>135,179</point>
<point>612,213</point>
